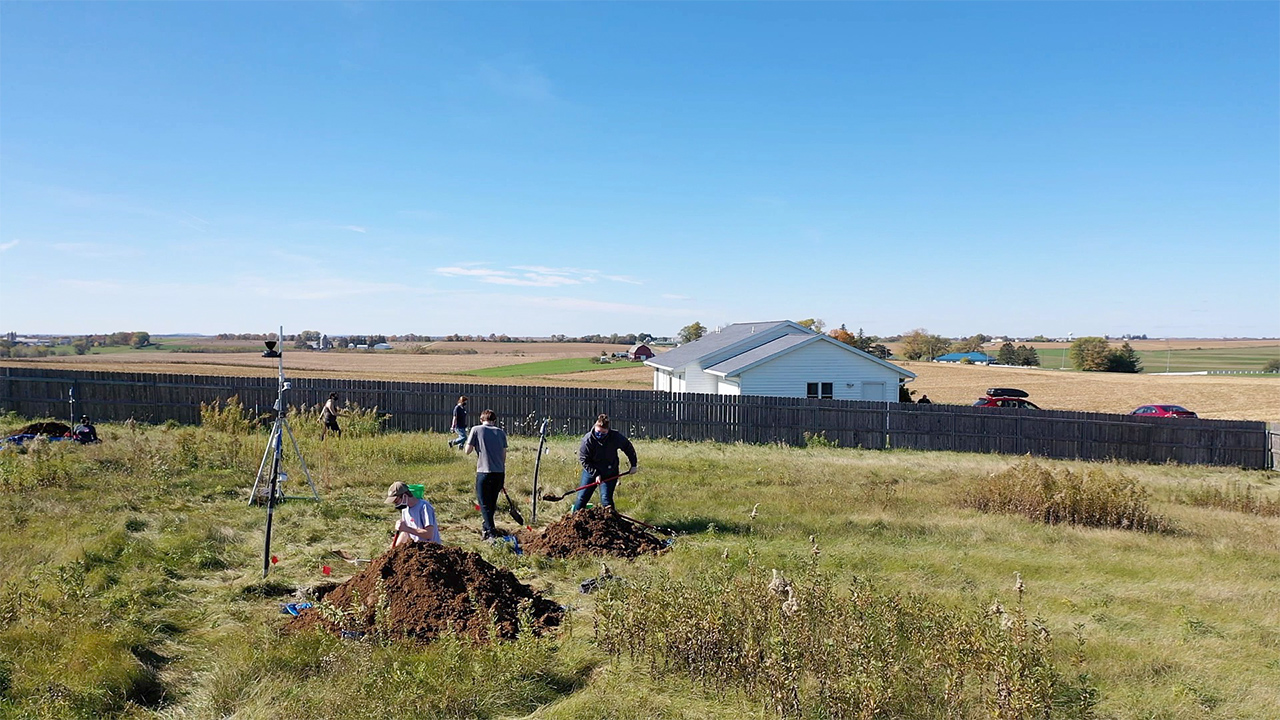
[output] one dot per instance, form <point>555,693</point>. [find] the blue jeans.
<point>606,491</point>
<point>461,440</point>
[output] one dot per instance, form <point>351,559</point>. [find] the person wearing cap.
<point>489,443</point>
<point>85,432</point>
<point>598,455</point>
<point>417,521</point>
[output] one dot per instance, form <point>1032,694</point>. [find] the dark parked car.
<point>1163,411</point>
<point>1006,397</point>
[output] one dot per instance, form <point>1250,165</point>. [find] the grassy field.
<point>552,367</point>
<point>130,578</point>
<point>1250,358</point>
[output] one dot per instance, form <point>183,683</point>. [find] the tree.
<point>815,324</point>
<point>1273,365</point>
<point>1090,354</point>
<point>692,332</point>
<point>1008,355</point>
<point>864,342</point>
<point>1124,360</point>
<point>920,345</point>
<point>1026,356</point>
<point>972,344</point>
<point>81,345</point>
<point>140,339</point>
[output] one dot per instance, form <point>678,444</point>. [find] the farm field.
<point>553,367</point>
<point>156,608</point>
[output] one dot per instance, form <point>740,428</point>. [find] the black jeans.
<point>488,487</point>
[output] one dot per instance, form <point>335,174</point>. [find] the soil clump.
<point>420,591</point>
<point>54,429</point>
<point>595,531</point>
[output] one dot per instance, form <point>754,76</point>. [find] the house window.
<point>824,391</point>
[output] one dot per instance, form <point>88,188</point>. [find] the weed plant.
<point>806,650</point>
<point>1094,497</point>
<point>1237,496</point>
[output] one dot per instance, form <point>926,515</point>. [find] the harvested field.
<point>1223,397</point>
<point>423,590</point>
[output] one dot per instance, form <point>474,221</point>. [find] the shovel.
<point>515,514</point>
<point>552,497</point>
<point>628,518</point>
<point>343,554</point>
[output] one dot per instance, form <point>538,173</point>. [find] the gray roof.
<point>769,349</point>
<point>710,344</point>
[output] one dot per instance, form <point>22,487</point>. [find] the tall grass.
<point>1237,496</point>
<point>1093,497</point>
<point>807,650</point>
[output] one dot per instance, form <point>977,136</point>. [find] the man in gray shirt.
<point>489,443</point>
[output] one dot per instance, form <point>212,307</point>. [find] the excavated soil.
<point>595,531</point>
<point>55,429</point>
<point>429,590</point>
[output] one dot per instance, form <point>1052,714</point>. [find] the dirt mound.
<point>596,531</point>
<point>55,429</point>
<point>428,589</point>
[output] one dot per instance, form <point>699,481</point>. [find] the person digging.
<point>417,521</point>
<point>489,443</point>
<point>598,455</point>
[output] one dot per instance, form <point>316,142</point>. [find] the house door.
<point>873,391</point>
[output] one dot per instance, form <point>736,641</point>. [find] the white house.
<point>780,359</point>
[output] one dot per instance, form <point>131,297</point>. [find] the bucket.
<point>417,490</point>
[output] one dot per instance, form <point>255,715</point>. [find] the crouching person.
<point>417,521</point>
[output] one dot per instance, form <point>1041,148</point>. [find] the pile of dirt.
<point>425,590</point>
<point>55,429</point>
<point>595,531</point>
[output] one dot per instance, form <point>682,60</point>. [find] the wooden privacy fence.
<point>116,396</point>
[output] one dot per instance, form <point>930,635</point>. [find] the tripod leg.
<point>253,494</point>
<point>302,460</point>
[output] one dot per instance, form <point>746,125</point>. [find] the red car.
<point>1006,397</point>
<point>1163,411</point>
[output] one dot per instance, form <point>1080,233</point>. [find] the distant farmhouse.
<point>779,359</point>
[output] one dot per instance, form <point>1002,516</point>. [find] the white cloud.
<point>9,245</point>
<point>622,279</point>
<point>536,277</point>
<point>355,228</point>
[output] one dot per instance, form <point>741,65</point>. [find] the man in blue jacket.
<point>598,454</point>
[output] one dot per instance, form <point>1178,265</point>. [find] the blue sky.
<point>539,168</point>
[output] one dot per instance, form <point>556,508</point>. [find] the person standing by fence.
<point>489,442</point>
<point>459,424</point>
<point>598,455</point>
<point>329,416</point>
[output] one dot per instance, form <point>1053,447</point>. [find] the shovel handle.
<point>584,487</point>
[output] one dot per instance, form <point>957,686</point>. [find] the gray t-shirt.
<point>490,443</point>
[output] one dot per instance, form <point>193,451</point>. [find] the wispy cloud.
<point>669,296</point>
<point>600,306</point>
<point>535,275</point>
<point>9,245</point>
<point>355,228</point>
<point>517,80</point>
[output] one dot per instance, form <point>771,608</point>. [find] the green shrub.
<point>1053,495</point>
<point>227,416</point>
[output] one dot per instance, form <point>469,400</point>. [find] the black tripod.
<point>270,478</point>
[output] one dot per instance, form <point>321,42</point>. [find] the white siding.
<point>728,387</point>
<point>697,381</point>
<point>787,375</point>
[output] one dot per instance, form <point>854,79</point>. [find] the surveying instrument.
<point>271,477</point>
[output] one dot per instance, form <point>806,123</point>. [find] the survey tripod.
<point>271,477</point>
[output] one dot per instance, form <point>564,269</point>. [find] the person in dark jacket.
<point>85,432</point>
<point>598,454</point>
<point>459,424</point>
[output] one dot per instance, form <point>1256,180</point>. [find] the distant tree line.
<point>1095,354</point>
